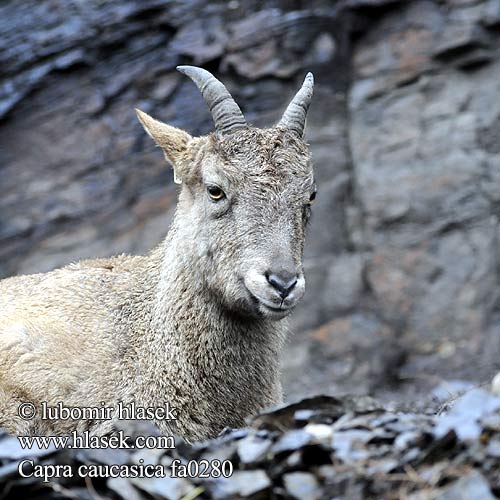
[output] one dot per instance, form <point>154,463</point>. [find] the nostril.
<point>283,284</point>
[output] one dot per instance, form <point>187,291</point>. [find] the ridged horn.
<point>226,113</point>
<point>294,117</point>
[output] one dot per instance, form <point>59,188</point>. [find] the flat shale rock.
<point>301,485</point>
<point>316,449</point>
<point>242,484</point>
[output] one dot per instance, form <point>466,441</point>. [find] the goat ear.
<point>173,141</point>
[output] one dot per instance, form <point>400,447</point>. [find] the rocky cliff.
<point>403,252</point>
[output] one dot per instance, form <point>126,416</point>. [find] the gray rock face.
<point>422,156</point>
<point>402,258</point>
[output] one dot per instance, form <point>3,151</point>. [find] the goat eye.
<point>312,197</point>
<point>215,193</point>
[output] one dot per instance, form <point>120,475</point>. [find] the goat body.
<point>197,322</point>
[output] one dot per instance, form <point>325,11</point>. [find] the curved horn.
<point>226,113</point>
<point>294,117</point>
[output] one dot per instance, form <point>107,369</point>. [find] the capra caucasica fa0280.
<point>196,321</point>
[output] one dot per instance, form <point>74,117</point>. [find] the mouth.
<point>268,308</point>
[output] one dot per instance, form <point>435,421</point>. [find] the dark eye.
<point>215,193</point>
<point>312,197</point>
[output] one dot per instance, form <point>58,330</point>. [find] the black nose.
<point>283,282</point>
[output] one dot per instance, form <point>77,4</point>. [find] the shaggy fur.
<point>184,324</point>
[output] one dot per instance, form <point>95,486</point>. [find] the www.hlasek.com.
<point>85,440</point>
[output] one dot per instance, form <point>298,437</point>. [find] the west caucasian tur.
<point>195,323</point>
